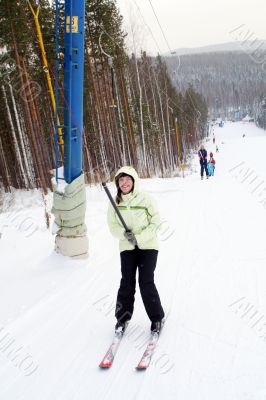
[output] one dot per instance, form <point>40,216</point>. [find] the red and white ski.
<point>108,359</point>
<point>147,355</point>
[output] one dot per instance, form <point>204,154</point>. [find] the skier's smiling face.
<point>126,184</point>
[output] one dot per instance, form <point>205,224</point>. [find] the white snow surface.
<point>57,314</point>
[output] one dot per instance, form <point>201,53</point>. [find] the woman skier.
<point>138,248</point>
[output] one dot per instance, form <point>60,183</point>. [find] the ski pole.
<point>115,206</point>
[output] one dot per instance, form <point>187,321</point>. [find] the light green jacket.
<point>140,213</point>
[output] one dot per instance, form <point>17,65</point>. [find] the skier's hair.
<point>118,198</point>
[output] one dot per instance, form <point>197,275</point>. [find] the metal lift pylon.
<point>69,201</point>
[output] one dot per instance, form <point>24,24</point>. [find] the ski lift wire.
<point>166,41</point>
<point>155,41</point>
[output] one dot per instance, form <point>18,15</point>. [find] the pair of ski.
<point>145,360</point>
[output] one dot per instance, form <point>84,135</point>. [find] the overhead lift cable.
<point>166,41</point>
<point>155,41</point>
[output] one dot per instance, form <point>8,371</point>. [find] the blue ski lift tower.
<point>69,204</point>
<point>73,88</point>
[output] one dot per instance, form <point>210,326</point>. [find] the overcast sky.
<point>191,23</point>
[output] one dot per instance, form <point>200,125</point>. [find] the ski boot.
<point>120,327</point>
<point>156,326</point>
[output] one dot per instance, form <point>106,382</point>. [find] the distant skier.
<point>211,165</point>
<point>138,248</point>
<point>213,140</point>
<point>217,149</point>
<point>203,161</point>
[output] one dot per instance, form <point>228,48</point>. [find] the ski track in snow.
<point>61,311</point>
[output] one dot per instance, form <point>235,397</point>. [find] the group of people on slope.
<point>206,165</point>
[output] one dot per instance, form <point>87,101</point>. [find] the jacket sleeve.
<point>151,230</point>
<point>116,229</point>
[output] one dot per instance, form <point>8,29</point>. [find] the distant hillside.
<point>227,80</point>
<point>237,46</point>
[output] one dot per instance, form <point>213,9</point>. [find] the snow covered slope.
<point>56,315</point>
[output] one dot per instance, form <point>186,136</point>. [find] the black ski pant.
<point>203,166</point>
<point>145,262</point>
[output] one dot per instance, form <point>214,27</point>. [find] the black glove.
<point>131,238</point>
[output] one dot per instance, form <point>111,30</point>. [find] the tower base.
<point>74,247</point>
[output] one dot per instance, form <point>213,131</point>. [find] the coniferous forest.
<point>229,81</point>
<point>132,112</point>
